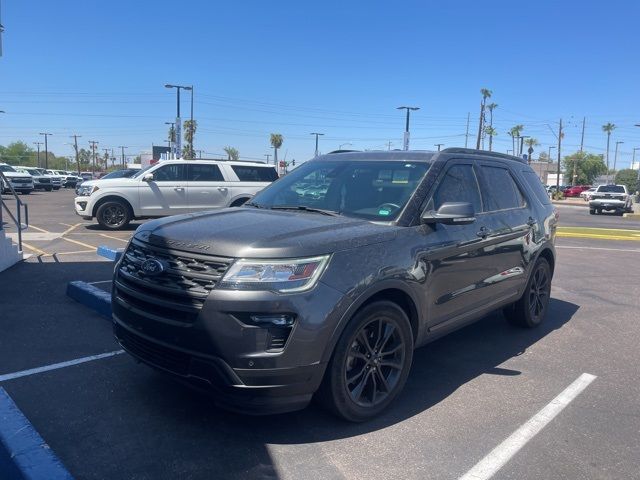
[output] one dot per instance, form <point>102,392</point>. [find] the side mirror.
<point>451,213</point>
<point>148,177</point>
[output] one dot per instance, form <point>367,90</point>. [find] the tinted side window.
<point>205,173</point>
<point>536,185</point>
<point>255,174</point>
<point>170,173</point>
<point>502,192</point>
<point>459,184</point>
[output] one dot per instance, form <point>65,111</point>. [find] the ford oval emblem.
<point>152,267</point>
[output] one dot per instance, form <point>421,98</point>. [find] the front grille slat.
<point>182,287</point>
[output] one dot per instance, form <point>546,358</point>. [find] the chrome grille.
<point>183,286</point>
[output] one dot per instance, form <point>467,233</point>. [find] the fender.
<point>377,287</point>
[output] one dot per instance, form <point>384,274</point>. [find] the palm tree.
<point>515,133</point>
<point>492,132</point>
<point>232,153</point>
<point>531,142</point>
<point>486,93</point>
<point>189,132</point>
<point>276,143</point>
<point>608,128</point>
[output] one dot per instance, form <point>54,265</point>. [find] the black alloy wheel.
<point>113,215</point>
<point>370,363</point>
<point>532,307</point>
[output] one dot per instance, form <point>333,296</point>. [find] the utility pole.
<point>389,143</point>
<point>93,144</point>
<point>123,147</point>
<point>615,158</point>
<point>438,145</point>
<point>38,160</point>
<point>268,155</point>
<point>317,135</point>
<point>559,153</point>
<point>173,131</point>
<point>406,127</point>
<point>106,158</point>
<point>75,147</point>
<point>584,121</point>
<point>46,150</point>
<point>199,153</point>
<point>466,135</point>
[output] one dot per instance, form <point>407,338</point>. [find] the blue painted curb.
<point>24,455</point>
<point>91,297</point>
<point>110,253</point>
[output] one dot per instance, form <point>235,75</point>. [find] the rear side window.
<point>248,173</point>
<point>535,184</point>
<point>501,193</point>
<point>205,173</point>
<point>170,173</point>
<point>459,184</point>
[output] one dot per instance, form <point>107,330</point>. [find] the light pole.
<point>406,127</point>
<point>178,127</point>
<point>122,147</point>
<point>268,155</point>
<point>615,158</point>
<point>438,145</point>
<point>46,150</point>
<point>317,135</point>
<point>522,143</point>
<point>38,160</point>
<point>549,154</point>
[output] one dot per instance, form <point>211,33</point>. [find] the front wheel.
<point>532,307</point>
<point>113,215</point>
<point>370,364</point>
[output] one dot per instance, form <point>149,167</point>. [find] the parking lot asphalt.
<point>467,392</point>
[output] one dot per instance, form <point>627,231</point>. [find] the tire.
<point>599,211</point>
<point>532,307</point>
<point>56,188</point>
<point>26,192</point>
<point>592,211</point>
<point>239,202</point>
<point>113,215</point>
<point>48,189</point>
<point>357,356</point>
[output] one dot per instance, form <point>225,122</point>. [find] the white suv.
<point>20,181</point>
<point>169,188</point>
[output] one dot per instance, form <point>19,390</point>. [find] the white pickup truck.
<point>610,198</point>
<point>171,187</point>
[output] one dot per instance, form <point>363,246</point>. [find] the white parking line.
<point>495,460</point>
<point>636,250</point>
<point>55,366</point>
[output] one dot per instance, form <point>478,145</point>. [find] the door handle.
<point>178,189</point>
<point>483,232</point>
<point>222,189</point>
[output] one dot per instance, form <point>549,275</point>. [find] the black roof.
<point>416,155</point>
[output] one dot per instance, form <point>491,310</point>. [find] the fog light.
<point>82,205</point>
<point>273,320</point>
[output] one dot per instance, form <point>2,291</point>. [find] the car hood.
<point>247,232</point>
<point>16,175</point>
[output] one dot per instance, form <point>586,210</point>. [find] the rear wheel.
<point>592,211</point>
<point>370,364</point>
<point>113,215</point>
<point>48,189</point>
<point>531,309</point>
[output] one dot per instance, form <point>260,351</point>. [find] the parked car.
<point>20,181</point>
<point>576,190</point>
<point>170,188</point>
<point>586,194</point>
<point>40,181</point>
<point>614,198</point>
<point>56,180</point>
<point>296,295</point>
<point>69,180</point>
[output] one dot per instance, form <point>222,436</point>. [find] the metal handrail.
<point>19,206</point>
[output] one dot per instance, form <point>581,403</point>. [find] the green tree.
<point>492,132</point>
<point>608,128</point>
<point>189,133</point>
<point>276,142</point>
<point>514,133</point>
<point>587,166</point>
<point>531,142</point>
<point>18,153</point>
<point>629,178</point>
<point>486,93</point>
<point>232,153</point>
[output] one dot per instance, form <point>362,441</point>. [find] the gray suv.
<point>328,279</point>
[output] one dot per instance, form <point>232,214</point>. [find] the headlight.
<point>285,276</point>
<point>87,190</point>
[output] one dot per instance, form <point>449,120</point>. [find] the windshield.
<point>129,172</point>
<point>611,188</point>
<point>6,168</point>
<point>373,190</point>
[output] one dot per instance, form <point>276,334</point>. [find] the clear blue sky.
<point>97,68</point>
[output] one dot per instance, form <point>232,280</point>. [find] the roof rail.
<point>472,151</point>
<point>342,151</point>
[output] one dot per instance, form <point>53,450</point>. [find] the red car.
<point>576,190</point>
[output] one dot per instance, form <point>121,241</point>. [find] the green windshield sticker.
<point>384,212</point>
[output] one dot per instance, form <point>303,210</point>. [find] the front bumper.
<point>83,207</point>
<point>219,351</point>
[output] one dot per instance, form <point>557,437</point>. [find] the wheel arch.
<point>395,292</point>
<point>244,197</point>
<point>108,198</point>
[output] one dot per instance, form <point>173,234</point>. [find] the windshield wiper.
<point>252,204</point>
<point>304,208</point>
